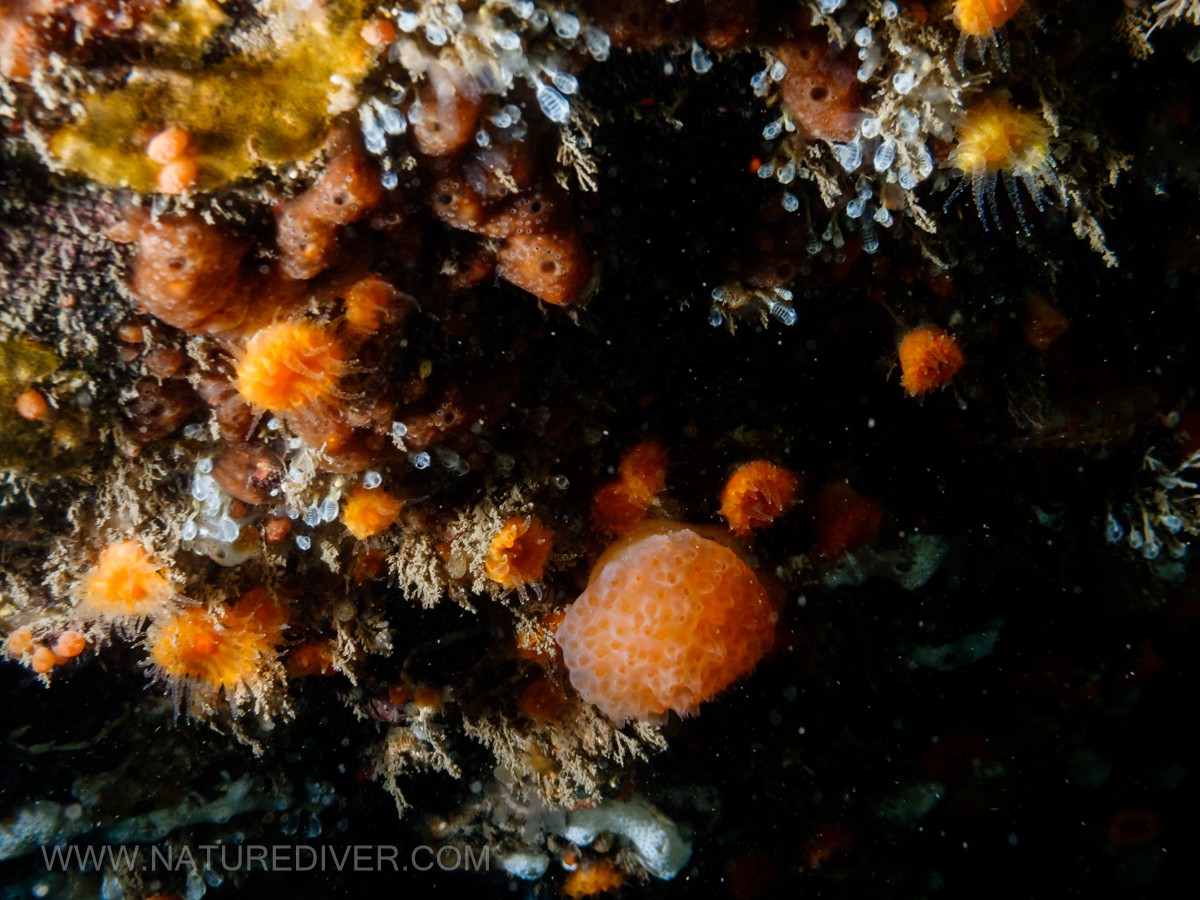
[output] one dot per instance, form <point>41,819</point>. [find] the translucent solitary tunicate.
<point>399,429</point>
<point>924,163</point>
<point>189,530</point>
<point>781,312</point>
<point>830,6</point>
<point>849,155</point>
<point>408,22</point>
<point>554,105</point>
<point>908,122</point>
<point>540,19</point>
<point>1172,523</point>
<point>855,208</point>
<point>523,8</point>
<point>1113,532</point>
<point>565,82</point>
<point>864,36</point>
<point>889,10</point>
<point>597,43</point>
<point>786,174</point>
<point>908,180</point>
<point>453,13</point>
<point>312,517</point>
<point>870,240</point>
<point>884,217</point>
<point>1136,540</point>
<point>508,40</point>
<point>772,130</point>
<point>227,530</point>
<point>436,34</point>
<point>790,201</point>
<point>759,82</point>
<point>374,138</point>
<point>421,460</point>
<point>885,154</point>
<point>871,127</point>
<point>777,71</point>
<point>716,318</point>
<point>871,56</point>
<point>482,138</point>
<point>701,61</point>
<point>812,244</point>
<point>903,82</point>
<point>390,118</point>
<point>766,170</point>
<point>566,25</point>
<point>205,465</point>
<point>329,510</point>
<point>303,541</point>
<point>371,479</point>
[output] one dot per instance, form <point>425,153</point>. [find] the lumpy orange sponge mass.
<point>669,619</point>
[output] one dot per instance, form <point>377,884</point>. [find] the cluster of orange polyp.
<point>308,326</point>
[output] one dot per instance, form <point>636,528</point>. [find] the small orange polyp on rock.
<point>125,584</point>
<point>929,359</point>
<point>669,620</point>
<point>979,18</point>
<point>519,552</point>
<point>643,472</point>
<point>290,364</point>
<point>368,512</point>
<point>756,495</point>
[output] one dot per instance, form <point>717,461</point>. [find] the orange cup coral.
<point>756,495</point>
<point>290,364</point>
<point>195,648</point>
<point>518,553</point>
<point>370,511</point>
<point>929,359</point>
<point>125,584</point>
<point>669,619</point>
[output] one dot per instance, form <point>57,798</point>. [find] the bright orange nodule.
<point>929,359</point>
<point>369,512</point>
<point>756,495</point>
<point>70,644</point>
<point>519,552</point>
<point>290,364</point>
<point>643,472</point>
<point>591,879</point>
<point>979,18</point>
<point>669,620</point>
<point>193,645</point>
<point>125,583</point>
<point>844,520</point>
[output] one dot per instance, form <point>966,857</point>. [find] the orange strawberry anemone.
<point>929,359</point>
<point>125,584</point>
<point>290,364</point>
<point>756,495</point>
<point>519,552</point>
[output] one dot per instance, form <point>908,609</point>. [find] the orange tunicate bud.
<point>43,660</point>
<point>519,552</point>
<point>553,266</point>
<point>170,143</point>
<point>378,32</point>
<point>929,359</point>
<point>31,405</point>
<point>310,659</point>
<point>844,520</point>
<point>821,89</point>
<point>177,176</point>
<point>70,644</point>
<point>369,512</point>
<point>290,364</point>
<point>19,643</point>
<point>427,696</point>
<point>756,495</point>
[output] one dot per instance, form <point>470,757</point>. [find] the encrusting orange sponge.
<point>929,359</point>
<point>669,619</point>
<point>756,495</point>
<point>125,584</point>
<point>290,364</point>
<point>370,511</point>
<point>518,553</point>
<point>592,878</point>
